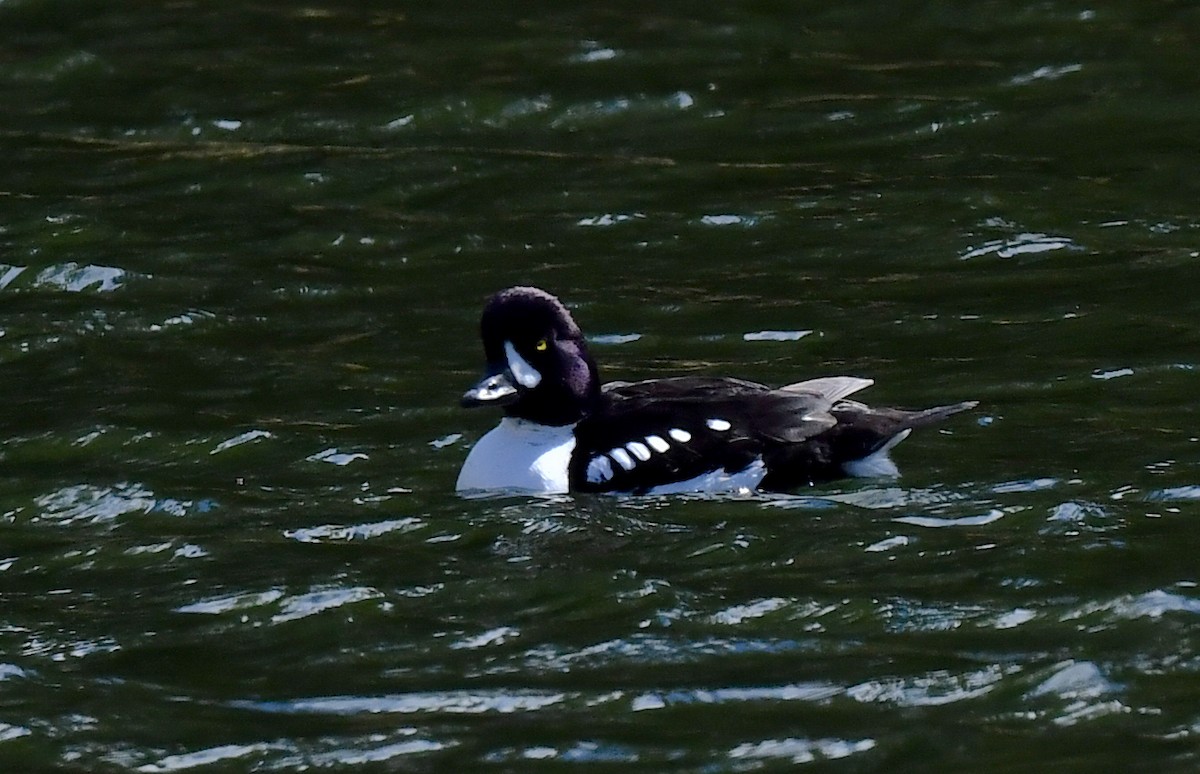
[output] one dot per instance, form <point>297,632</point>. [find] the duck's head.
<point>538,366</point>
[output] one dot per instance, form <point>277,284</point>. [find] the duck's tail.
<point>937,413</point>
<point>883,429</point>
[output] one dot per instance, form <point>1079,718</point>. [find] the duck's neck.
<point>565,401</point>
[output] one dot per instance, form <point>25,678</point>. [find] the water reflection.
<point>287,755</point>
<point>241,294</point>
<point>87,504</point>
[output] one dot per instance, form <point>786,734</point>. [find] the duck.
<point>564,431</point>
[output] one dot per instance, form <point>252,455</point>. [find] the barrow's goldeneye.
<point>564,431</point>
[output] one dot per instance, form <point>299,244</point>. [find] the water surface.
<point>242,256</point>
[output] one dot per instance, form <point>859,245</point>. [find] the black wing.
<point>666,430</point>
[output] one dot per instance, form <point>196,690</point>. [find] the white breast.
<point>522,456</point>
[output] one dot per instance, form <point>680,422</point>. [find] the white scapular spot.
<point>622,458</point>
<point>683,436</point>
<point>718,424</point>
<point>657,443</point>
<point>639,450</point>
<point>599,469</point>
<point>526,375</point>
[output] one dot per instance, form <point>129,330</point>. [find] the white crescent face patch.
<point>526,375</point>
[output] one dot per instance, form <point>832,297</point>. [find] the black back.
<point>698,408</point>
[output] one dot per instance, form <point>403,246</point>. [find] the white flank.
<point>878,464</point>
<point>683,436</point>
<point>599,469</point>
<point>622,457</point>
<point>521,456</point>
<point>718,481</point>
<point>526,375</point>
<point>720,425</point>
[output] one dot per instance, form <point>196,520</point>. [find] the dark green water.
<point>243,252</point>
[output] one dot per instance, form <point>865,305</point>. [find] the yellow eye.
<point>540,346</point>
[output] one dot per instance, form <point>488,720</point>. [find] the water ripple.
<point>295,756</point>
<point>247,437</point>
<point>775,335</point>
<point>227,752</point>
<point>87,504</point>
<point>609,219</point>
<point>651,649</point>
<point>747,221</point>
<point>979,520</point>
<point>1153,604</point>
<point>360,755</point>
<point>1189,492</point>
<point>889,497</point>
<point>1073,680</point>
<point>290,608</point>
<point>807,692</point>
<point>225,604</point>
<point>887,544</point>
<point>1025,485</point>
<point>593,52</point>
<point>802,750</point>
<point>614,338</point>
<point>1013,618</point>
<point>74,278</point>
<point>321,600</point>
<point>337,533</point>
<point>1073,517</point>
<point>1044,73</point>
<point>933,689</point>
<point>497,636</point>
<point>335,456</point>
<point>580,752</point>
<point>740,613</point>
<point>1021,244</point>
<point>451,702</point>
<point>1082,690</point>
<point>907,616</point>
<point>9,732</point>
<point>181,320</point>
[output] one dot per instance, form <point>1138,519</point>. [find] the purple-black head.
<point>538,366</point>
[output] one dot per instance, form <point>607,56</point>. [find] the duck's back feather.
<point>690,426</point>
<point>856,445</point>
<point>833,388</point>
<point>661,431</point>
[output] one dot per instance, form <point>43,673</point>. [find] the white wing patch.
<point>622,458</point>
<point>657,443</point>
<point>600,468</point>
<point>639,450</point>
<point>683,436</point>
<point>720,425</point>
